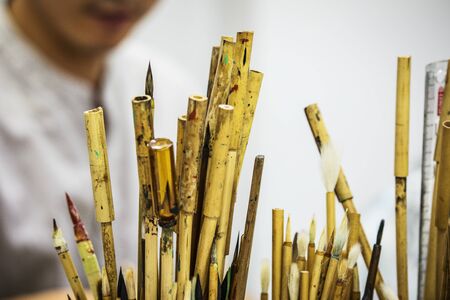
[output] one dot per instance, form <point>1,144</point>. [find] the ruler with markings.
<point>434,92</point>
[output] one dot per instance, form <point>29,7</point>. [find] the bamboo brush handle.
<point>166,253</point>
<point>315,276</point>
<point>277,251</point>
<point>342,190</point>
<point>329,279</point>
<point>331,214</point>
<point>285,268</point>
<point>151,276</point>
<point>72,275</point>
<point>304,285</point>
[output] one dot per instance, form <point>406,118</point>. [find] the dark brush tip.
<point>198,289</point>
<point>55,226</point>
<point>380,232</point>
<point>149,81</point>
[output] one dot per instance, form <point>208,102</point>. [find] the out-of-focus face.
<point>90,25</point>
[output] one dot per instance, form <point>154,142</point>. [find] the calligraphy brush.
<point>372,272</point>
<point>265,279</point>
<point>294,281</point>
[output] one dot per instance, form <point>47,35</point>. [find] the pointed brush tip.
<point>55,226</point>
<point>380,232</point>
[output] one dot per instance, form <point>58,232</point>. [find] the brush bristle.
<point>330,164</point>
<point>353,255</point>
<point>288,230</point>
<point>302,244</point>
<point>106,291</point>
<point>293,283</point>
<point>322,242</point>
<point>130,283</point>
<point>388,293</point>
<point>193,286</point>
<point>265,276</point>
<point>341,238</point>
<point>312,230</point>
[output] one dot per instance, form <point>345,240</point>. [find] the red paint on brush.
<point>79,230</point>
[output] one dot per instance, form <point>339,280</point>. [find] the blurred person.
<point>56,61</point>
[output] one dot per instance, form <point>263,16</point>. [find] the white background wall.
<point>341,54</point>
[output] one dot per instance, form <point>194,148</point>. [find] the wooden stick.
<point>215,52</point>
<point>316,270</point>
<point>401,172</point>
<point>331,213</point>
<point>442,204</point>
<point>239,282</point>
<point>213,275</point>
<point>85,249</point>
<point>106,290</point>
<point>151,277</point>
<point>250,101</point>
<point>101,186</point>
<point>143,132</point>
<point>311,245</point>
<point>192,149</point>
<point>286,261</point>
<point>324,265</point>
<point>331,272</point>
<point>343,192</point>
<point>277,251</point>
<point>181,128</point>
<point>214,189</point>
<point>304,285</point>
<point>60,245</point>
<point>166,261</point>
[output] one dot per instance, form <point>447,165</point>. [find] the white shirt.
<point>43,153</point>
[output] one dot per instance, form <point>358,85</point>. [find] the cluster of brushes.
<point>188,193</point>
<point>300,270</point>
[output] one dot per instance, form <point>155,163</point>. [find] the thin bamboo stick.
<point>250,101</point>
<point>166,262</point>
<point>62,250</point>
<point>214,189</point>
<point>192,149</point>
<point>304,285</point>
<point>442,205</point>
<point>151,277</point>
<point>106,289</point>
<point>213,275</point>
<point>311,245</point>
<point>286,261</point>
<point>212,69</point>
<point>143,132</point>
<point>401,172</point>
<point>85,249</point>
<point>101,186</point>
<point>239,282</point>
<point>342,190</point>
<point>316,270</point>
<point>277,251</point>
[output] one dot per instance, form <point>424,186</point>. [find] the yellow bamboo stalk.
<point>342,190</point>
<point>401,172</point>
<point>166,262</point>
<point>277,251</point>
<point>304,285</point>
<point>181,128</point>
<point>331,272</point>
<point>215,52</point>
<point>106,289</point>
<point>151,277</point>
<point>214,189</point>
<point>62,250</point>
<point>250,101</point>
<point>315,275</point>
<point>356,293</point>
<point>101,186</point>
<point>331,213</point>
<point>192,151</point>
<point>286,262</point>
<point>213,275</point>
<point>143,132</point>
<point>442,205</point>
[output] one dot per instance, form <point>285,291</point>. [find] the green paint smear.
<point>225,60</point>
<point>97,154</point>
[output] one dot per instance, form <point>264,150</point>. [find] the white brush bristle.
<point>265,276</point>
<point>353,255</point>
<point>288,237</point>
<point>294,281</point>
<point>322,242</point>
<point>341,237</point>
<point>388,292</point>
<point>312,230</point>
<point>302,244</point>
<point>330,165</point>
